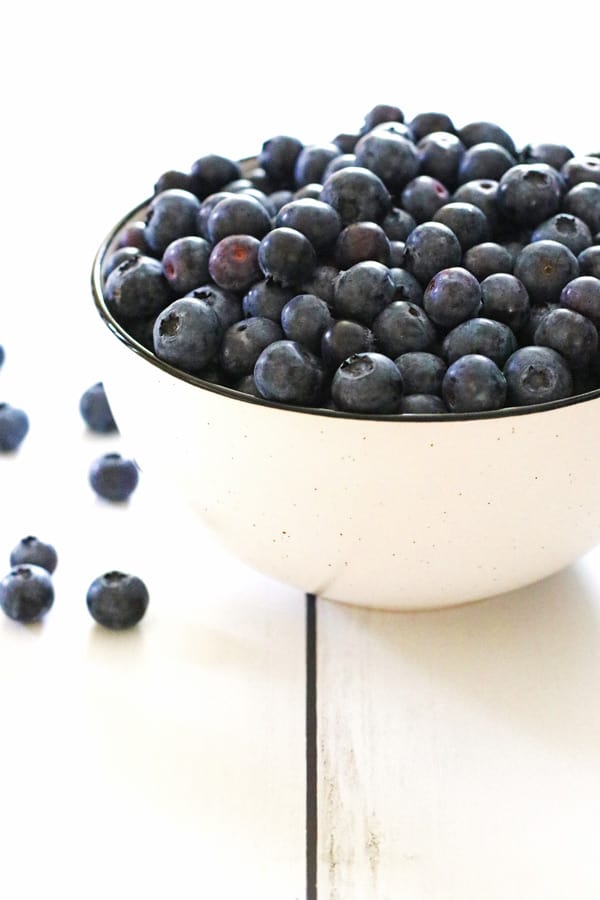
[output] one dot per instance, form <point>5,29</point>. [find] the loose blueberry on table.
<point>117,600</point>
<point>320,266</point>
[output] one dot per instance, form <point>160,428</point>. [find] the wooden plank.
<point>459,751</point>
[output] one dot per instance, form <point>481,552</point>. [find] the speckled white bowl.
<point>412,513</point>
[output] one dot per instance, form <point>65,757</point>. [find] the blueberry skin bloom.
<point>14,425</point>
<point>304,319</point>
<point>357,195</point>
<point>244,341</point>
<point>467,221</point>
<point>504,298</point>
<point>137,287</point>
<point>473,383</point>
<point>529,193</point>
<point>422,372</point>
<point>363,291</point>
<point>367,383</point>
<point>95,410</point>
<point>113,477</point>
<point>316,220</point>
<point>544,268</point>
<point>567,230</point>
<point>171,214</point>
<point>26,593</point>
<point>452,296</point>
<point>402,327</point>
<point>238,214</point>
<point>117,600</point>
<point>431,247</point>
<point>287,372</point>
<point>35,552</point>
<point>286,256</point>
<point>537,375</point>
<point>480,335</point>
<point>392,158</point>
<point>278,157</point>
<point>187,334</point>
<point>574,336</point>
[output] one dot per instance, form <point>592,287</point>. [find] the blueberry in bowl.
<point>403,436</point>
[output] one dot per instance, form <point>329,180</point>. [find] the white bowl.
<point>412,512</point>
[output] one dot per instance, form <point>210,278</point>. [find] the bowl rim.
<point>223,390</point>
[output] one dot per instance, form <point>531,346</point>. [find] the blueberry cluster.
<point>410,267</point>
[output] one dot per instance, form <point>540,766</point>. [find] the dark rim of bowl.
<point>122,334</point>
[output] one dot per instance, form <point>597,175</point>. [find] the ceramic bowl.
<point>412,512</point>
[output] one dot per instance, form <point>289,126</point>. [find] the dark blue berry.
<point>117,600</point>
<point>579,169</point>
<point>357,195</point>
<point>480,335</point>
<point>240,214</point>
<point>287,372</point>
<point>567,230</point>
<point>425,123</point>
<point>187,334</point>
<point>185,263</point>
<point>346,142</point>
<point>247,385</point>
<point>583,201</point>
<point>544,267</point>
<point>266,298</point>
<point>484,132</point>
<point>226,304</point>
<point>406,286</point>
<point>32,550</point>
<point>431,247</point>
<point>114,477</point>
<point>481,192</point>
<point>528,194</point>
<point>137,288</point>
<point>312,161</point>
<point>113,260</point>
<point>486,160</point>
<point>505,299</point>
<point>211,173</point>
<point>572,335</point>
<point>402,327</point>
<point>440,153</point>
<point>473,383</point>
<point>26,593</point>
<point>398,224</point>
<point>133,235</point>
<point>95,410</point>
<point>397,253</point>
<point>363,291</point>
<point>422,372</point>
<point>345,338</point>
<point>467,221</point>
<point>367,383</point>
<point>206,208</point>
<point>487,259</point>
<point>286,256</point>
<point>555,155</point>
<point>173,178</point>
<point>452,296</point>
<point>171,214</point>
<point>244,341</point>
<point>279,198</point>
<point>537,375</point>
<point>234,262</point>
<point>304,319</point>
<point>310,191</point>
<point>422,404</point>
<point>359,242</point>
<point>382,112</point>
<point>316,220</point>
<point>14,425</point>
<point>582,295</point>
<point>278,157</point>
<point>339,162</point>
<point>589,261</point>
<point>393,158</point>
<point>423,196</point>
<point>322,282</point>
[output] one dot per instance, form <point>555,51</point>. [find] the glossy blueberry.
<point>505,299</point>
<point>528,194</point>
<point>382,112</point>
<point>316,220</point>
<point>422,372</point>
<point>322,282</point>
<point>572,335</point>
<point>211,173</point>
<point>14,425</point>
<point>544,267</point>
<point>394,159</point>
<point>26,593</point>
<point>117,600</point>
<point>583,201</point>
<point>406,286</point>
<point>473,383</point>
<point>484,132</point>
<point>367,383</point>
<point>312,161</point>
<point>488,258</point>
<point>344,338</point>
<point>137,287</point>
<point>431,247</point>
<point>467,221</point>
<point>95,410</point>
<point>173,178</point>
<point>423,196</point>
<point>287,372</point>
<point>113,477</point>
<point>304,319</point>
<point>579,169</point>
<point>363,291</point>
<point>359,242</point>
<point>589,261</point>
<point>187,334</point>
<point>486,160</point>
<point>226,304</point>
<point>452,296</point>
<point>480,335</point>
<point>171,214</point>
<point>185,263</point>
<point>234,262</point>
<point>286,256</point>
<point>402,327</point>
<point>398,224</point>
<point>555,155</point>
<point>481,192</point>
<point>425,123</point>
<point>566,229</point>
<point>357,195</point>
<point>266,298</point>
<point>278,157</point>
<point>422,404</point>
<point>244,341</point>
<point>240,214</point>
<point>113,260</point>
<point>31,550</point>
<point>537,375</point>
<point>440,153</point>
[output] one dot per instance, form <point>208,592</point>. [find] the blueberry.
<point>583,201</point>
<point>226,304</point>
<point>26,593</point>
<point>555,155</point>
<point>406,286</point>
<point>316,220</point>
<point>279,198</point>
<point>133,235</point>
<point>579,169</point>
<point>322,282</point>
<point>537,375</point>
<point>357,195</point>
<point>452,296</point>
<point>185,263</point>
<point>346,142</point>
<point>117,600</point>
<point>467,221</point>
<point>31,550</point>
<point>589,261</point>
<point>359,242</point>
<point>484,132</point>
<point>287,372</point>
<point>397,254</point>
<point>398,224</point>
<point>393,158</point>
<point>567,230</point>
<point>402,327</point>
<point>536,314</point>
<point>582,295</point>
<point>473,383</point>
<point>345,338</point>
<point>240,214</point>
<point>95,410</point>
<point>440,153</point>
<point>171,214</point>
<point>486,160</point>
<point>505,299</point>
<point>244,341</point>
<point>574,336</point>
<point>338,162</point>
<point>425,123</point>
<point>423,196</point>
<point>312,161</point>
<point>480,335</point>
<point>137,288</point>
<point>422,372</point>
<point>211,173</point>
<point>286,256</point>
<point>206,208</point>
<point>173,178</point>
<point>278,157</point>
<point>431,247</point>
<point>113,260</point>
<point>488,258</point>
<point>266,298</point>
<point>481,192</point>
<point>382,112</point>
<point>529,193</point>
<point>187,334</point>
<point>422,404</point>
<point>544,267</point>
<point>367,383</point>
<point>304,319</point>
<point>113,477</point>
<point>363,291</point>
<point>234,262</point>
<point>14,425</point>
<point>310,191</point>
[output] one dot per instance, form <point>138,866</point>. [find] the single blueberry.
<point>406,286</point>
<point>26,593</point>
<point>173,178</point>
<point>589,261</point>
<point>485,337</point>
<point>31,550</point>
<point>537,375</point>
<point>440,153</point>
<point>113,477</point>
<point>345,338</point>
<point>211,173</point>
<point>582,295</point>
<point>244,341</point>
<point>452,296</point>
<point>185,263</point>
<point>483,132</point>
<point>529,193</point>
<point>382,112</point>
<point>113,260</point>
<point>321,282</point>
<point>187,334</point>
<point>367,383</point>
<point>206,208</point>
<point>583,201</point>
<point>505,299</point>
<point>117,600</point>
<point>423,196</point>
<point>422,372</point>
<point>95,410</point>
<point>240,214</point>
<point>572,335</point>
<point>431,247</point>
<point>473,383</point>
<point>485,160</point>
<point>567,230</point>
<point>312,161</point>
<point>279,198</point>
<point>397,254</point>
<point>468,222</point>
<point>481,192</point>
<point>316,220</point>
<point>278,157</point>
<point>286,256</point>
<point>402,327</point>
<point>359,242</point>
<point>422,404</point>
<point>488,258</point>
<point>171,214</point>
<point>393,158</point>
<point>579,169</point>
<point>555,155</point>
<point>266,298</point>
<point>357,195</point>
<point>226,304</point>
<point>14,425</point>
<point>304,319</point>
<point>363,291</point>
<point>234,262</point>
<point>544,267</point>
<point>133,235</point>
<point>426,123</point>
<point>287,372</point>
<point>137,288</point>
<point>398,224</point>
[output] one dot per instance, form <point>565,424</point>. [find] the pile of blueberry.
<point>411,267</point>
